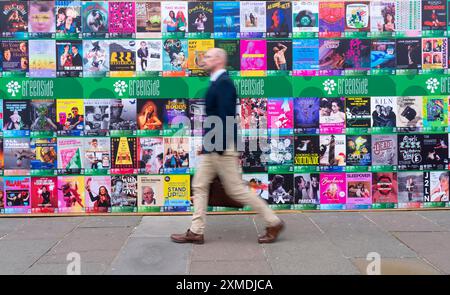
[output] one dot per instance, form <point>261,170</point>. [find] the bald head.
<point>215,59</point>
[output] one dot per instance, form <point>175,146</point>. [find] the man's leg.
<point>234,186</point>
<point>203,177</point>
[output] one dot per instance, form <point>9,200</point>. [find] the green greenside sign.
<point>195,87</point>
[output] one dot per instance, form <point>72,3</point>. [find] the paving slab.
<point>395,266</point>
<point>19,255</point>
<point>257,267</point>
<point>356,236</point>
<point>92,256</point>
<point>111,221</point>
<point>441,218</point>
<point>88,239</point>
<point>61,269</point>
<point>151,256</point>
<point>402,221</point>
<point>161,226</point>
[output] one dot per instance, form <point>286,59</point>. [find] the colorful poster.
<point>70,116</point>
<point>332,56</point>
<point>151,153</point>
<point>359,150</point>
<point>332,18</point>
<point>253,19</point>
<point>150,191</point>
<point>71,197</point>
<point>43,59</point>
<point>201,21</point>
<point>97,193</point>
<point>97,116</point>
<point>256,153</point>
<point>434,15</point>
<point>305,57</point>
<point>434,53</point>
<point>258,183</point>
<point>357,54</point>
<point>436,188</point>
<point>383,55</point>
<point>123,114</point>
<point>122,19</point>
<point>177,191</point>
<point>384,187</point>
<point>305,17</point>
<point>123,155</point>
<point>306,115</point>
<point>70,151</point>
<point>407,14</point>
<point>253,57</point>
<point>358,112</point>
<point>148,19</point>
<point>357,16</point>
<point>382,16</point>
<point>279,56</point>
<point>435,112</point>
<point>69,58</point>
<point>174,17</point>
<point>2,196</point>
<point>384,112</point>
<point>333,188</point>
<point>16,117</point>
<point>96,58</point>
<point>175,57</point>
<point>435,151</point>
<point>124,193</point>
<point>197,49</point>
<point>94,19</point>
<point>307,150</point>
<point>150,115</point>
<point>43,116</point>
<point>307,188</point>
<point>14,18</point>
<point>332,115</point>
<point>280,115</point>
<point>44,194</point>
<point>176,154</point>
<point>410,115</point>
<point>409,53</point>
<point>42,22</point>
<point>332,150</point>
<point>410,188</point>
<point>281,151</point>
<point>175,116</point>
<point>253,114</point>
<point>17,194</point>
<point>15,57</point>
<point>281,189</point>
<point>45,154</point>
<point>149,58</point>
<point>410,150</point>
<point>96,156</point>
<point>384,150</point>
<point>232,47</point>
<point>278,19</point>
<point>18,156</point>
<point>226,19</point>
<point>68,18</point>
<point>359,188</point>
<point>122,58</point>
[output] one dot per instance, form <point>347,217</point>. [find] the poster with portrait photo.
<point>279,19</point>
<point>253,19</point>
<point>384,111</point>
<point>434,15</point>
<point>382,17</point>
<point>200,15</point>
<point>383,55</point>
<point>332,115</point>
<point>279,55</point>
<point>409,53</point>
<point>281,189</point>
<point>97,116</point>
<point>15,58</point>
<point>307,188</point>
<point>434,53</point>
<point>68,18</point>
<point>123,114</point>
<point>94,19</point>
<point>436,186</point>
<point>124,193</point>
<point>69,58</point>
<point>149,58</point>
<point>332,150</point>
<point>14,18</point>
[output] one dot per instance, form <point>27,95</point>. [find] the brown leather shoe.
<point>188,237</point>
<point>271,233</point>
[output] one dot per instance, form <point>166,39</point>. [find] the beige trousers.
<point>226,166</point>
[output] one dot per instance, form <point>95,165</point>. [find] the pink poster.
<point>332,188</point>
<point>331,115</point>
<point>280,113</point>
<point>359,186</point>
<point>253,57</point>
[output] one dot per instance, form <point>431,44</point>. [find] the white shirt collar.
<point>216,74</point>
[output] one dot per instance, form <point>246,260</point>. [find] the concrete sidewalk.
<point>313,243</point>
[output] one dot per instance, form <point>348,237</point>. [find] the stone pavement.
<point>414,242</point>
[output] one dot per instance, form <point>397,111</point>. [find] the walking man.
<point>222,160</point>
